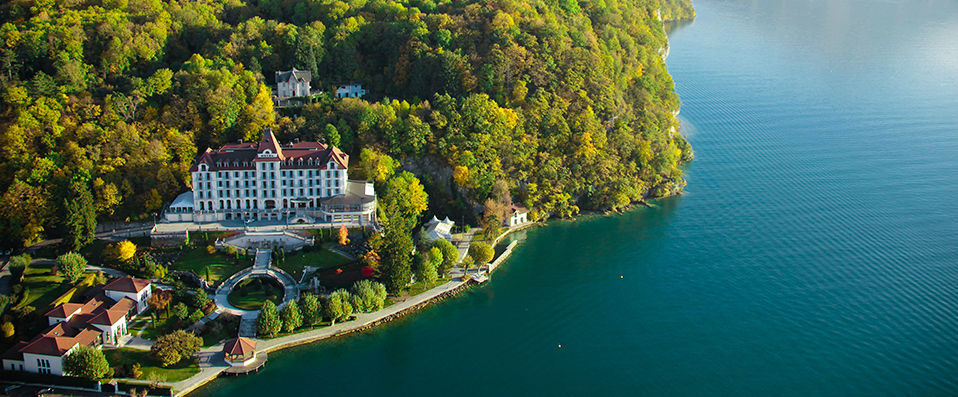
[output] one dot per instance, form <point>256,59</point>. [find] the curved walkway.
<point>260,267</point>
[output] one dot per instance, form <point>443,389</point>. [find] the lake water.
<point>816,251</point>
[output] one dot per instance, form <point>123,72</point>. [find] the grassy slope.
<point>220,265</point>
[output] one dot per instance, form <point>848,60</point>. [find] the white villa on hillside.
<point>291,84</point>
<point>298,182</point>
<point>101,321</point>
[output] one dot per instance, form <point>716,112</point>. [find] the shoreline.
<point>361,323</point>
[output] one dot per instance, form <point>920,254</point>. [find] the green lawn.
<point>220,265</point>
<point>43,288</point>
<point>250,294</point>
<point>152,370</point>
<point>318,257</point>
<point>160,327</point>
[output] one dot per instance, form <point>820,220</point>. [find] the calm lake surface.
<point>816,251</point>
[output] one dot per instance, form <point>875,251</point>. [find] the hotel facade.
<point>300,182</point>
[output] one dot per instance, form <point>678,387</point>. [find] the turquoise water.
<point>816,251</point>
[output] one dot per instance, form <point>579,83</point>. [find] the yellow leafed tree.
<point>125,250</point>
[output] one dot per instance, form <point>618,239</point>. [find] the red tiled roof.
<point>14,352</point>
<point>241,156</point>
<point>269,142</point>
<point>87,336</point>
<point>50,345</point>
<point>64,310</point>
<point>127,284</point>
<point>108,317</point>
<point>239,347</point>
<point>59,329</point>
<point>124,305</point>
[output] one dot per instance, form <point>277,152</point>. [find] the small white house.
<point>350,90</point>
<point>136,289</point>
<point>517,216</point>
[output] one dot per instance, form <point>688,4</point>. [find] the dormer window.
<point>310,162</point>
<point>203,167</point>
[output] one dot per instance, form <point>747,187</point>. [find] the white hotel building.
<point>297,182</point>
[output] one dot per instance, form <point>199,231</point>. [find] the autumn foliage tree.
<point>160,300</point>
<point>343,235</point>
<point>125,251</point>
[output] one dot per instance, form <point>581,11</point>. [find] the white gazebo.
<point>436,229</point>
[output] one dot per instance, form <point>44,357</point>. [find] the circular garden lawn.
<point>251,293</point>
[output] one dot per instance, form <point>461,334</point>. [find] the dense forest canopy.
<point>556,104</point>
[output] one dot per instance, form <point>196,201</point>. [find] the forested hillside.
<point>561,105</point>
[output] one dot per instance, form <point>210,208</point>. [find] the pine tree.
<point>268,323</point>
<point>291,317</point>
<point>312,311</point>
<point>79,224</point>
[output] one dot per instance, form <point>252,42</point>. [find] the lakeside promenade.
<point>212,362</point>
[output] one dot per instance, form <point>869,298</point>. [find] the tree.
<point>71,266</point>
<point>180,311</point>
<point>292,319</point>
<point>376,165</point>
<point>404,198</point>
<point>86,362</point>
<point>450,255</point>
<point>312,310</point>
<point>176,346</point>
<point>8,330</point>
<point>332,135</point>
<point>18,265</point>
<point>125,251</point>
<point>369,296</point>
<point>338,306</point>
<point>199,299</point>
<point>429,265</point>
<point>481,253</point>
<point>159,301</point>
<point>343,236</point>
<point>395,266</point>
<point>268,323</point>
<point>80,221</point>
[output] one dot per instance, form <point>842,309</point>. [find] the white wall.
<point>56,363</point>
